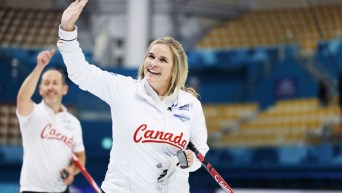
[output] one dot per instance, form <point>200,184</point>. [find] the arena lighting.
<point>106,143</point>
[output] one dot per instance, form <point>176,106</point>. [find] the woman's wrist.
<point>68,28</point>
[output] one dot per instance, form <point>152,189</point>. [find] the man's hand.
<point>71,14</point>
<point>44,57</point>
<point>67,175</point>
<point>183,159</point>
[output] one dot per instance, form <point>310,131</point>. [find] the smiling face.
<point>169,76</point>
<point>52,88</point>
<point>158,67</point>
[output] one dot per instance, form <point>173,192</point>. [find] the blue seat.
<point>292,154</point>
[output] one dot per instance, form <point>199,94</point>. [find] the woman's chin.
<point>150,79</point>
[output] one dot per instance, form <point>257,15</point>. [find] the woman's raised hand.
<point>71,14</point>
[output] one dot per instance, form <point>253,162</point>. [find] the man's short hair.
<point>61,70</point>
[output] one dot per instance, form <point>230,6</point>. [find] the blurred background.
<point>268,73</point>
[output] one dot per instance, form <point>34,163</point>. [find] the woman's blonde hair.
<point>179,72</point>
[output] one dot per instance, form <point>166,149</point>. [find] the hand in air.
<point>71,14</point>
<point>44,57</point>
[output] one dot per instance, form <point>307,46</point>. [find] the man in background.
<point>51,135</point>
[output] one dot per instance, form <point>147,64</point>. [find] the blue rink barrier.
<point>288,167</point>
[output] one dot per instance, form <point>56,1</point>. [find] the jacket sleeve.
<point>88,77</point>
<point>198,135</point>
<point>78,145</point>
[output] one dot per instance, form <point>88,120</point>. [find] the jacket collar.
<point>48,108</point>
<point>174,100</point>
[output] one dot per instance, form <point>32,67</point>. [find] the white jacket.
<point>145,130</point>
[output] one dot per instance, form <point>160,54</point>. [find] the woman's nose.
<point>153,63</point>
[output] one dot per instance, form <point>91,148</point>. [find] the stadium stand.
<point>28,28</point>
<point>275,27</point>
<point>287,122</point>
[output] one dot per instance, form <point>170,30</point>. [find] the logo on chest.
<point>49,132</point>
<point>182,117</point>
<point>144,135</point>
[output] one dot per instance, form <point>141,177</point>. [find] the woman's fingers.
<point>189,157</point>
<point>83,2</point>
<point>80,4</point>
<point>71,14</point>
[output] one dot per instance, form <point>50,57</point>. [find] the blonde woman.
<point>154,116</point>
